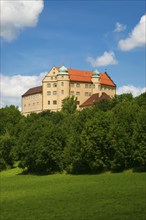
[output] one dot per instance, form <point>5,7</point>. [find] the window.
<point>72,85</point>
<point>78,102</point>
<point>54,92</point>
<point>62,91</point>
<point>77,93</point>
<point>86,85</point>
<point>54,102</point>
<point>55,85</point>
<point>48,85</point>
<point>51,77</point>
<point>62,83</point>
<point>86,93</point>
<point>89,93</point>
<point>71,92</point>
<point>90,85</point>
<point>48,102</point>
<point>48,92</point>
<point>78,85</point>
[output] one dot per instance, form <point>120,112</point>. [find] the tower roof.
<point>96,73</point>
<point>62,71</point>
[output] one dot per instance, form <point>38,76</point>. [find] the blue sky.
<point>107,35</point>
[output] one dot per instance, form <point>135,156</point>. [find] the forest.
<point>109,136</point>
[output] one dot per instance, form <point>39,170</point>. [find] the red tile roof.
<point>106,80</point>
<point>85,76</point>
<point>80,75</point>
<point>94,98</point>
<point>32,91</point>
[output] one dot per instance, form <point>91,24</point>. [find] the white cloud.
<point>135,91</point>
<point>137,37</point>
<point>108,58</point>
<point>13,87</point>
<point>18,14</point>
<point>119,27</point>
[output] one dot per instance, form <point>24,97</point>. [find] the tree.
<point>9,119</point>
<point>69,105</point>
<point>120,135</point>
<point>6,145</point>
<point>139,140</point>
<point>41,147</point>
<point>103,105</point>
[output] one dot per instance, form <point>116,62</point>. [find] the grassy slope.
<point>64,197</point>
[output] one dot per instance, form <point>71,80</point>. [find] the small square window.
<point>71,92</point>
<point>48,92</point>
<point>48,85</point>
<point>54,92</point>
<point>62,83</point>
<point>54,102</point>
<point>86,93</point>
<point>78,85</point>
<point>62,91</point>
<point>55,85</point>
<point>77,93</point>
<point>48,102</point>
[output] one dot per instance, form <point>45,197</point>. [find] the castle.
<point>62,82</point>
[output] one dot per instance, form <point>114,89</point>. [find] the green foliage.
<point>9,119</point>
<point>69,105</point>
<point>139,140</point>
<point>110,136</point>
<point>41,147</point>
<point>103,105</point>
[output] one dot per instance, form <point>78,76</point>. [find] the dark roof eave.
<point>108,84</point>
<point>31,94</point>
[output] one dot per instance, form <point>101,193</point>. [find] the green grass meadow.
<point>68,197</point>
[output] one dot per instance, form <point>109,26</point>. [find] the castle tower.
<point>62,86</point>
<point>96,82</point>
